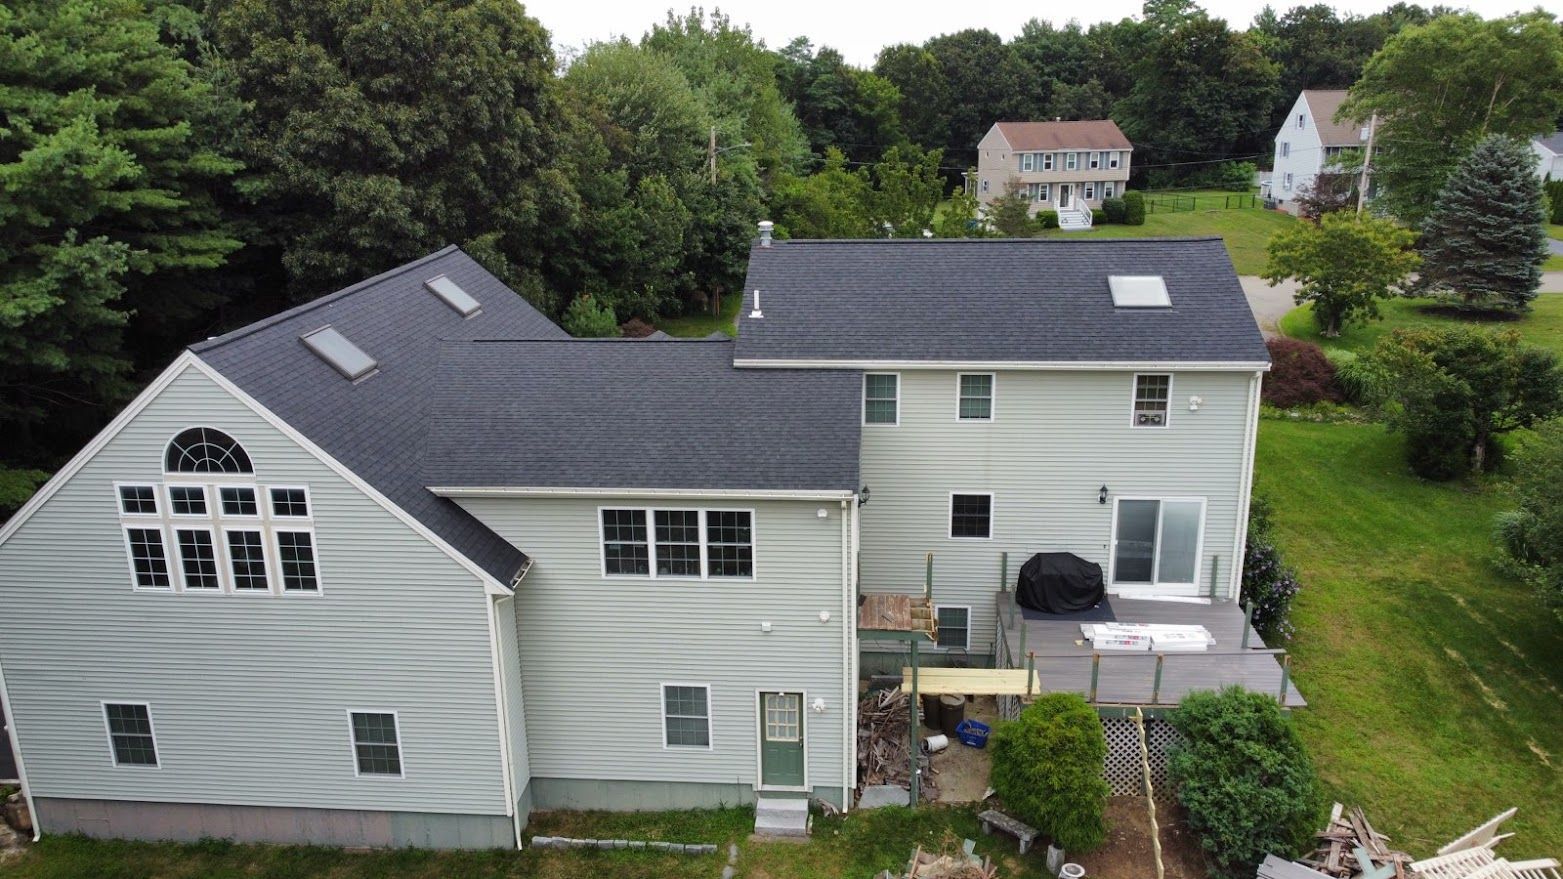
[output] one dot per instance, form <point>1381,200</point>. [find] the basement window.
<point>342,355</point>
<point>1139,291</point>
<point>452,294</point>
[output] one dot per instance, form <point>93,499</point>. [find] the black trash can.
<point>931,713</point>
<point>952,710</point>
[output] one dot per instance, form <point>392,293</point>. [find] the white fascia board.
<point>1013,365</point>
<point>538,492</point>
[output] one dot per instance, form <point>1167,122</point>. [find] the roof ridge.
<point>279,317</point>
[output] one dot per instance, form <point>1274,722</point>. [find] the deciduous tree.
<point>1343,265</point>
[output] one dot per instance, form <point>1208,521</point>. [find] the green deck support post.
<point>928,579</point>
<point>1004,584</point>
<point>1215,568</point>
<point>1286,676</point>
<point>915,724</point>
<point>1031,671</point>
<point>1096,672</point>
<point>1022,651</point>
<point>1248,623</point>
<point>1156,684</point>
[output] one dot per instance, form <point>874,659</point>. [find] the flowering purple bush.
<point>1269,584</point>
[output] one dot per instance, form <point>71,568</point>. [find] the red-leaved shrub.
<point>1299,375</point>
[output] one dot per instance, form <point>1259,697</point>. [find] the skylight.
<point>1139,291</point>
<point>334,348</point>
<point>453,295</point>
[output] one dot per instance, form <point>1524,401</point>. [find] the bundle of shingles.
<point>884,743</point>
<point>1347,840</point>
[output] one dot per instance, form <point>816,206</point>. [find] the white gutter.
<point>848,697</point>
<point>758,494</point>
<point>1246,488</point>
<point>16,751</point>
<point>1000,365</point>
<point>490,601</point>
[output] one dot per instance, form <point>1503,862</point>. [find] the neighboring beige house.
<point>1067,167</point>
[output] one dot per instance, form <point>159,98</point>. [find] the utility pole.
<point>711,155</point>
<point>1367,162</point>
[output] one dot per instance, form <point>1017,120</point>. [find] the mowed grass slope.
<point>1246,231</point>
<point>1435,684</point>
<point>1542,327</point>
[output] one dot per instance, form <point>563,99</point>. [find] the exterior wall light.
<point>862,496</point>
<point>1101,495</point>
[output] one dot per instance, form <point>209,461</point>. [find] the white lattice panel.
<point>1123,772</point>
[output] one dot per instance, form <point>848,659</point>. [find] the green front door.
<point>781,739</point>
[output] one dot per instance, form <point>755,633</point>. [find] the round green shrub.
<point>586,318</point>
<point>1047,767</point>
<point>1114,209</point>
<point>1244,778</point>
<point>1133,208</point>
<point>1098,216</point>
<point>1047,219</point>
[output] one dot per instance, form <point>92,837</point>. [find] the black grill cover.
<point>1059,582</point>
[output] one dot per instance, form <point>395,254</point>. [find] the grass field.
<point>1543,327</point>
<point>859,845</point>
<point>1434,684</point>
<point>1246,231</point>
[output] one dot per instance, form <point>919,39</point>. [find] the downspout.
<point>849,743</point>
<point>501,705</point>
<point>16,751</point>
<point>1246,488</point>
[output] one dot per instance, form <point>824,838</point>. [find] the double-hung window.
<point>131,738</point>
<point>954,626</point>
<point>1096,160</point>
<point>1108,190</point>
<point>1047,161</point>
<point>148,557</point>
<point>1026,161</point>
<point>198,559</point>
<point>1113,158</point>
<point>377,747</point>
<point>971,516</point>
<point>1152,398</point>
<point>881,398</point>
<point>679,544</point>
<point>1046,193</point>
<point>1302,120</point>
<point>294,540</point>
<point>1287,183</point>
<point>1156,541</point>
<point>974,400</point>
<point>247,560</point>
<point>1090,191</point>
<point>1286,149</point>
<point>1071,161</point>
<point>686,716</point>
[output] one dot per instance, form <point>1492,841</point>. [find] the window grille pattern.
<point>678,543</point>
<point>624,544</point>
<point>375,744</point>
<point>130,734</point>
<point>976,402</point>
<point>954,627</point>
<point>204,450</point>
<point>971,515</point>
<point>783,717</point>
<point>730,543</point>
<point>248,558</point>
<point>239,500</point>
<point>880,398</point>
<point>138,500</point>
<point>198,558</point>
<point>148,558</point>
<point>1152,394</point>
<point>296,557</point>
<point>686,712</point>
<point>290,503</point>
<point>187,500</point>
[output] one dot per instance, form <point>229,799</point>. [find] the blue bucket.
<point>973,733</point>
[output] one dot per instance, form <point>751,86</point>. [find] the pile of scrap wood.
<point>884,743</point>
<point>1349,846</point>
<point>961,865</point>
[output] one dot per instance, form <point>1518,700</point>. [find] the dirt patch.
<point>1128,853</point>
<point>962,771</point>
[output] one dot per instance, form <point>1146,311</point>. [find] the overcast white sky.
<point>860,29</point>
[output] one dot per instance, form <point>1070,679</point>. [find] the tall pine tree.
<point>1485,239</point>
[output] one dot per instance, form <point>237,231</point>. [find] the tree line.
<point>171,169</point>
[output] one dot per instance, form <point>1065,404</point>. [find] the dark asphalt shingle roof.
<point>1036,300</point>
<point>1553,142</point>
<point>622,414</point>
<point>377,427</point>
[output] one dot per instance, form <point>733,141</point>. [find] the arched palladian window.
<point>205,450</point>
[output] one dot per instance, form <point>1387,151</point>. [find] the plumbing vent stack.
<point>756,313</point>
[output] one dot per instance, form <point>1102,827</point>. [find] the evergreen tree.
<point>1486,238</point>
<point>1010,213</point>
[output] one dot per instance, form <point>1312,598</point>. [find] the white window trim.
<point>1302,120</point>
<point>993,398</point>
<point>949,518</point>
<point>759,739</point>
<point>1286,149</point>
<point>662,709</point>
<point>1027,163</point>
<point>262,502</point>
<point>1108,190</point>
<point>1134,400</point>
<point>168,556</point>
<point>1047,193</point>
<point>966,645</point>
<point>1288,182</point>
<point>219,557</point>
<point>108,732</point>
<point>1156,584</point>
<point>1090,192</point>
<point>276,550</point>
<point>1095,160</point>
<point>352,744</point>
<point>1047,161</point>
<point>1071,161</point>
<point>309,503</point>
<point>705,555</point>
<point>168,498</point>
<point>1114,159</point>
<point>157,501</point>
<point>863,400</point>
<point>267,560</point>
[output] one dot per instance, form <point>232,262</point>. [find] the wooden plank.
<point>973,681</point>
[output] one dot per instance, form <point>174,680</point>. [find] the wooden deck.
<point>1064,658</point>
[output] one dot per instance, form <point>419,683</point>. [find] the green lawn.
<point>698,325</point>
<point>1555,231</point>
<point>1246,231</point>
<point>859,845</point>
<point>1435,684</point>
<point>1542,327</point>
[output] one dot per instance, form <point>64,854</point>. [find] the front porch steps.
<point>1073,220</point>
<point>781,816</point>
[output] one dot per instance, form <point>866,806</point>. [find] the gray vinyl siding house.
<point>458,567</point>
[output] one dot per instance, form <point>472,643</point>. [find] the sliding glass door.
<point>1156,541</point>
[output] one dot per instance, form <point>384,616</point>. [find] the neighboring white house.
<point>1549,155</point>
<point>403,564</point>
<point>1067,167</point>
<point>1310,140</point>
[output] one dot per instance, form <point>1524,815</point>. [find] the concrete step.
<point>779,816</point>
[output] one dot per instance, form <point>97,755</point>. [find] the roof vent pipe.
<point>765,232</point>
<point>756,314</point>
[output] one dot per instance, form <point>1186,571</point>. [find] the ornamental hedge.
<point>1047,768</point>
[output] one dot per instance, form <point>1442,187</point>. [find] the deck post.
<point>1003,572</point>
<point>1215,567</point>
<point>1248,622</point>
<point>1022,651</point>
<point>928,579</point>
<point>1096,671</point>
<point>915,727</point>
<point>1031,671</point>
<point>1156,684</point>
<point>1286,676</point>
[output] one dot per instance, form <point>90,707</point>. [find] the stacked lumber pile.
<point>929,865</point>
<point>1347,839</point>
<point>884,743</point>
